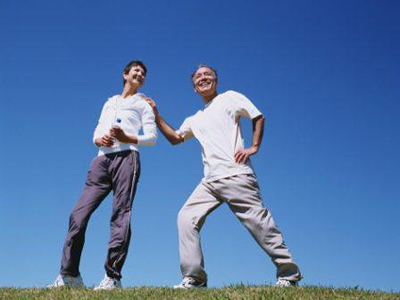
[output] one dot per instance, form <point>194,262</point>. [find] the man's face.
<point>135,76</point>
<point>205,81</point>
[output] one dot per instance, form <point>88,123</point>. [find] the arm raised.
<point>165,129</point>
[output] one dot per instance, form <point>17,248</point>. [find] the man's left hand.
<point>243,155</point>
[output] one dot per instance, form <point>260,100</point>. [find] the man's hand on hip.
<point>243,155</point>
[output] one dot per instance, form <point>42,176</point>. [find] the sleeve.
<point>185,130</point>
<point>244,107</point>
<point>100,130</point>
<point>149,136</point>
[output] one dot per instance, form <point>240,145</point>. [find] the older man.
<point>228,178</point>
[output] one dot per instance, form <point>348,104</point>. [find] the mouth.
<point>138,79</point>
<point>204,84</point>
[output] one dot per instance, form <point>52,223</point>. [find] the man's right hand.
<point>153,105</point>
<point>166,130</point>
<point>106,141</point>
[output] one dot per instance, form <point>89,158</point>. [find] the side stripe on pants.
<point>118,172</point>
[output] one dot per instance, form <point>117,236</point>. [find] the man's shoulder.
<point>231,97</point>
<point>232,94</point>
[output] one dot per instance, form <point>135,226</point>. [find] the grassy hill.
<point>232,292</point>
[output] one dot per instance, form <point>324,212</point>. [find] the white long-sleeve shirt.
<point>133,113</point>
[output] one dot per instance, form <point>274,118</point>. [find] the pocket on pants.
<point>252,180</point>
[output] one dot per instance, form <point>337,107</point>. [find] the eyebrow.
<point>206,72</point>
<point>139,68</point>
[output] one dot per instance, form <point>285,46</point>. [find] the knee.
<point>184,219</point>
<point>76,222</point>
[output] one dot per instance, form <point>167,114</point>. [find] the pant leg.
<point>242,194</point>
<point>97,187</point>
<point>125,171</point>
<point>191,218</point>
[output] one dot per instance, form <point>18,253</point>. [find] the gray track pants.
<point>118,172</point>
<point>242,194</point>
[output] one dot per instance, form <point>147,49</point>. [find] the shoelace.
<point>59,281</point>
<point>105,282</point>
<point>283,282</point>
<point>187,280</point>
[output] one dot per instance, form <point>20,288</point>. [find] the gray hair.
<point>204,66</point>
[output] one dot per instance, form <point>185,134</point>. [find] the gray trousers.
<point>242,194</point>
<point>118,172</point>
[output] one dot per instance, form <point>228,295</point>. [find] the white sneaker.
<point>190,283</point>
<point>67,280</point>
<point>109,283</point>
<point>284,282</point>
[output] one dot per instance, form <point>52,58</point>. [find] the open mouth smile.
<point>139,79</point>
<point>204,83</point>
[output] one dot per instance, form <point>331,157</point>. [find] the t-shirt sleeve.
<point>185,131</point>
<point>243,106</point>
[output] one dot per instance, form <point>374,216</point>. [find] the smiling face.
<point>205,82</point>
<point>135,76</point>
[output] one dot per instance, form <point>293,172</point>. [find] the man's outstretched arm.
<point>165,129</point>
<point>258,129</point>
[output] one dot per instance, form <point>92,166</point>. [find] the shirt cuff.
<point>146,140</point>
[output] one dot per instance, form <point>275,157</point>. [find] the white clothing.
<point>217,128</point>
<point>242,194</point>
<point>133,113</point>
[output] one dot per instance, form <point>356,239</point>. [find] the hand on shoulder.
<point>153,105</point>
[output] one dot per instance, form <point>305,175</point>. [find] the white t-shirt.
<point>133,113</point>
<point>217,128</point>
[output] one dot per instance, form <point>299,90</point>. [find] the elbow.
<point>148,140</point>
<point>152,141</point>
<point>95,141</point>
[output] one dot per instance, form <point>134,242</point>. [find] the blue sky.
<point>324,73</point>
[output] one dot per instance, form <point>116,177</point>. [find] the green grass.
<point>231,292</point>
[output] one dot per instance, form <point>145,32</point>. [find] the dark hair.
<point>131,64</point>
<point>204,66</point>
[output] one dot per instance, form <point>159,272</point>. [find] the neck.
<point>209,98</point>
<point>129,90</point>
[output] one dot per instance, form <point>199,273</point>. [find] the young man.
<point>117,169</point>
<point>228,178</point>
